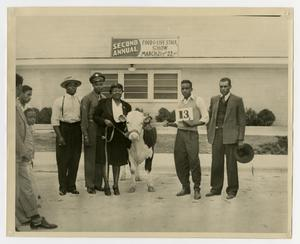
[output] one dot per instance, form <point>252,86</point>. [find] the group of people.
<point>100,123</point>
<point>225,121</point>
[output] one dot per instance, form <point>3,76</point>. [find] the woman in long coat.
<point>109,116</point>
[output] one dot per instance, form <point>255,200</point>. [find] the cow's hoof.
<point>131,189</point>
<point>151,189</point>
<point>138,178</point>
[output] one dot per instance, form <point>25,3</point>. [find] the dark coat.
<point>234,121</point>
<point>117,148</point>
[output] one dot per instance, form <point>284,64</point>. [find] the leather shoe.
<point>74,192</point>
<point>183,192</point>
<point>230,196</point>
<point>62,192</point>
<point>107,191</point>
<point>99,188</point>
<point>116,190</point>
<point>43,224</point>
<point>91,190</point>
<point>210,194</point>
<point>197,195</point>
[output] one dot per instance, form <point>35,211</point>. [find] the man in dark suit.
<point>93,178</point>
<point>225,131</point>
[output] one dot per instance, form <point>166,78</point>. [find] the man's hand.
<point>61,141</point>
<point>171,124</point>
<point>188,123</point>
<point>108,123</point>
<point>86,141</point>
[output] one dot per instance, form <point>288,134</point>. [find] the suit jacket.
<point>88,106</point>
<point>21,130</point>
<point>104,111</point>
<point>234,121</point>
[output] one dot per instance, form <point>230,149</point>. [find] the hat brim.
<point>247,153</point>
<point>66,82</point>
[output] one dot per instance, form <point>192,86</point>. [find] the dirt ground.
<point>261,205</point>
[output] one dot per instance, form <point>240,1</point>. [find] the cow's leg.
<point>148,168</point>
<point>132,172</point>
<point>137,173</point>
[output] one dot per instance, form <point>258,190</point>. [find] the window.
<point>136,86</point>
<point>109,80</point>
<point>144,85</point>
<point>165,86</point>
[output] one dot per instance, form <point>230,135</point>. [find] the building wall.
<point>199,36</point>
<point>253,84</point>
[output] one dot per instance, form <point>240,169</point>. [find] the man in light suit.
<point>225,131</point>
<point>26,207</point>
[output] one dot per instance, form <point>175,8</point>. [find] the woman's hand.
<point>108,123</point>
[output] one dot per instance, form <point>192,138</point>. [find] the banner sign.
<point>145,48</point>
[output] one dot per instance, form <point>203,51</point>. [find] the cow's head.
<point>135,121</point>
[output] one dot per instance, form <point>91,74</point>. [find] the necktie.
<point>223,99</point>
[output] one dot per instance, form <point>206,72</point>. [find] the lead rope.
<point>106,154</point>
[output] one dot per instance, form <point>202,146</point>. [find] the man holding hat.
<point>66,123</point>
<point>225,131</point>
<point>92,171</point>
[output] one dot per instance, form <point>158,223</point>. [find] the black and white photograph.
<point>150,122</point>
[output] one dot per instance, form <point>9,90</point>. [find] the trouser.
<point>217,170</point>
<point>26,201</point>
<point>186,155</point>
<point>92,171</point>
<point>68,156</point>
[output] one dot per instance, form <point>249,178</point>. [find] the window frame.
<point>150,73</point>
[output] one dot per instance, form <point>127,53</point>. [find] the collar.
<point>189,98</point>
<point>68,95</point>
<point>97,95</point>
<point>226,97</point>
<point>113,101</point>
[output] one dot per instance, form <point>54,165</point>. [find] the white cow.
<point>138,151</point>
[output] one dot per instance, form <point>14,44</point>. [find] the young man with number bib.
<point>190,114</point>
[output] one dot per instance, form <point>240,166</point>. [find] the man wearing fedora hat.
<point>225,131</point>
<point>66,123</point>
<point>92,171</point>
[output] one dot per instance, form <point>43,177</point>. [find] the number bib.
<point>183,114</point>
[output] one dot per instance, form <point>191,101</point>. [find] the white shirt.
<point>66,109</point>
<point>226,97</point>
<point>201,106</point>
<point>117,110</point>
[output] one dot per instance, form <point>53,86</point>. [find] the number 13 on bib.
<point>183,114</point>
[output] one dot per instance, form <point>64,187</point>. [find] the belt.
<point>219,127</point>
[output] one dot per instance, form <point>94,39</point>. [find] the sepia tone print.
<point>139,117</point>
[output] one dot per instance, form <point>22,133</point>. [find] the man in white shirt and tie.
<point>66,123</point>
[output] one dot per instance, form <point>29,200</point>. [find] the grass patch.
<point>45,142</point>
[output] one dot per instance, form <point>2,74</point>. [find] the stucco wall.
<point>199,36</point>
<point>260,87</point>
